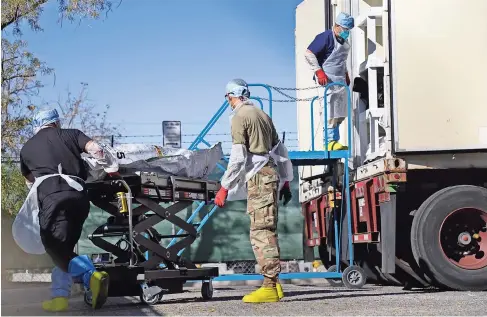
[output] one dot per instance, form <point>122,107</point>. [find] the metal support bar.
<point>387,245</point>
<point>313,122</point>
<point>282,276</point>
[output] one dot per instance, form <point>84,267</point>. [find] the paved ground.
<point>311,300</point>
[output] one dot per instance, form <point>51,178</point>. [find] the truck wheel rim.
<point>463,238</point>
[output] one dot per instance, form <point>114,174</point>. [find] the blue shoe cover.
<point>81,267</point>
<point>334,134</point>
<point>61,283</point>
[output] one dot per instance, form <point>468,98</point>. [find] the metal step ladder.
<point>299,158</point>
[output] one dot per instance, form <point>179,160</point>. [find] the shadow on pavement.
<point>19,299</point>
<point>356,295</point>
<point>239,297</point>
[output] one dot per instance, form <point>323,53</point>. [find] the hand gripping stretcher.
<point>137,263</point>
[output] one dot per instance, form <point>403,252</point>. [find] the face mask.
<point>344,35</point>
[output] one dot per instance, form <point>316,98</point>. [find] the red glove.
<point>221,196</point>
<point>322,79</point>
<point>347,79</point>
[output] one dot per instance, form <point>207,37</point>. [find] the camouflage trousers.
<point>262,202</point>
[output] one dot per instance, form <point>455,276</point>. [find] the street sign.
<point>171,134</point>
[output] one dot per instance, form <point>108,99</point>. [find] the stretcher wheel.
<point>207,290</point>
<point>88,298</point>
<point>150,300</point>
<point>354,277</point>
<point>335,282</point>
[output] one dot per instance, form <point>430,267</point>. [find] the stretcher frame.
<point>137,268</point>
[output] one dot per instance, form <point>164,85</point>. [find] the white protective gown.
<point>26,229</point>
<point>243,166</point>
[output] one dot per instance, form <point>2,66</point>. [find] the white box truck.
<point>419,143</point>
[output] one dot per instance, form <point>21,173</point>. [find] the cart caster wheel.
<point>334,282</point>
<point>88,298</point>
<point>207,290</point>
<point>354,277</point>
<point>150,300</point>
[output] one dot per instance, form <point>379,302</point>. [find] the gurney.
<point>138,265</point>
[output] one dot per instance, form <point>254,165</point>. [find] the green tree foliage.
<point>19,84</point>
<point>14,12</point>
<point>21,72</point>
<point>14,189</point>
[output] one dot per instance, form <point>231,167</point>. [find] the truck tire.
<point>449,238</point>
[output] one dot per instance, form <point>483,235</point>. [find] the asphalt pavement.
<point>309,300</point>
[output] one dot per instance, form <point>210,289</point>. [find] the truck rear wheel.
<point>449,237</point>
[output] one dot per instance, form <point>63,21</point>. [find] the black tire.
<point>207,290</point>
<point>425,242</point>
<point>150,300</point>
<point>334,282</point>
<point>354,277</point>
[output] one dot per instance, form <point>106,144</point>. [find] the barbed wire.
<point>182,135</point>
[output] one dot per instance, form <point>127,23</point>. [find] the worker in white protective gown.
<point>51,218</point>
<point>327,56</point>
<point>258,169</point>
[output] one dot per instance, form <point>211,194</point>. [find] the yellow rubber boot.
<point>99,282</point>
<point>57,304</point>
<point>335,146</point>
<point>262,295</point>
<point>280,292</point>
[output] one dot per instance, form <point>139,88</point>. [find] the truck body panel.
<point>443,114</point>
<point>419,143</point>
<point>438,73</point>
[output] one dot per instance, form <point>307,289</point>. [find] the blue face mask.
<point>344,35</point>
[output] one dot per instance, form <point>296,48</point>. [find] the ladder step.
<point>305,158</point>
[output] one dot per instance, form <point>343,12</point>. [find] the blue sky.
<point>156,60</point>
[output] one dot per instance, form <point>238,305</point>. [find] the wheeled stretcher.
<point>137,263</point>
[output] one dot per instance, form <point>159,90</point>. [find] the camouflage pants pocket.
<point>262,202</point>
<point>262,209</point>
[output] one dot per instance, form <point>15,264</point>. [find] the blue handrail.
<point>209,125</point>
<point>325,122</point>
<point>313,123</point>
<point>346,167</point>
<point>260,101</point>
<point>270,95</point>
<point>349,113</point>
<point>222,109</point>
